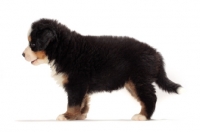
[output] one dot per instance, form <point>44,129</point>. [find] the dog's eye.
<point>32,44</point>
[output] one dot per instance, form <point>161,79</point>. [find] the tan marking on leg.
<point>40,54</point>
<point>143,109</point>
<point>84,108</point>
<point>72,113</point>
<point>130,86</point>
<point>29,38</point>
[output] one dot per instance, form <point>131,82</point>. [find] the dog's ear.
<point>46,37</point>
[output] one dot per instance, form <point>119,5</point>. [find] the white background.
<point>30,99</point>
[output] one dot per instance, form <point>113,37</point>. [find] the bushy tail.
<point>164,83</point>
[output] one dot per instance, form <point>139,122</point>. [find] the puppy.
<point>83,65</point>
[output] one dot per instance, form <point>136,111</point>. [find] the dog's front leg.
<point>72,113</point>
<point>76,93</point>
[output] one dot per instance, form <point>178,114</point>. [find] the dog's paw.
<point>82,117</point>
<point>139,117</point>
<point>61,118</point>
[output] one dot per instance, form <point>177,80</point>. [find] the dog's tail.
<point>164,82</point>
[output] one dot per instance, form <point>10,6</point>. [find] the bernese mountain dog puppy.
<point>83,65</point>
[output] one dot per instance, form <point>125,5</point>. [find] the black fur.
<point>101,63</point>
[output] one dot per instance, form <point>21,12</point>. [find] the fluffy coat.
<point>91,64</point>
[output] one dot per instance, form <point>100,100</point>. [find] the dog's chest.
<point>58,77</point>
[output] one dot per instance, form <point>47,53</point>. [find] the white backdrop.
<point>28,93</point>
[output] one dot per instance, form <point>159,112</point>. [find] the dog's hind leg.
<point>145,94</point>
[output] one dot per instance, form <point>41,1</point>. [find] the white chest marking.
<point>59,78</point>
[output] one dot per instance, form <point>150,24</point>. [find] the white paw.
<point>180,90</point>
<point>139,117</point>
<point>61,118</point>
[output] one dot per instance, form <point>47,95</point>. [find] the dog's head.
<point>40,36</point>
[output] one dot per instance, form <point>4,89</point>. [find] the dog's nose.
<point>23,54</point>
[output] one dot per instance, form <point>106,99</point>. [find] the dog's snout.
<point>23,54</point>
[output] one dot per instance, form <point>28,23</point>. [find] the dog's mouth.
<point>32,62</point>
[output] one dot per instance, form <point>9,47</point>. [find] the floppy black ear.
<point>46,37</point>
